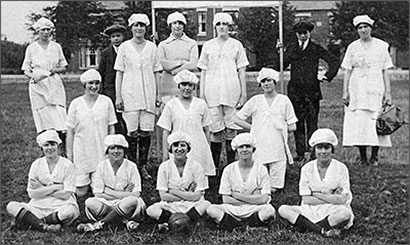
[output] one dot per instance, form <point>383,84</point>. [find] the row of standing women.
<point>223,88</point>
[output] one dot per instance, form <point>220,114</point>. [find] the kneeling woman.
<point>325,190</point>
<point>116,185</point>
<point>51,187</point>
<point>245,190</point>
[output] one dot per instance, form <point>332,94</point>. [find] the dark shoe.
<point>373,161</point>
<point>332,233</point>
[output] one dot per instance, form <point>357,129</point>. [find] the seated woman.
<point>325,190</point>
<point>181,183</point>
<point>245,190</point>
<point>116,185</point>
<point>51,187</point>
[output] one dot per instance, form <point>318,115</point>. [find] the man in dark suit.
<point>106,69</point>
<point>304,85</point>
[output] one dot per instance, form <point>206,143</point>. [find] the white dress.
<point>47,97</point>
<point>169,178</point>
<point>138,86</point>
<point>366,88</point>
<point>222,85</point>
<point>175,117</point>
<point>90,128</point>
<point>126,174</point>
<point>270,127</point>
<point>256,183</point>
<point>63,173</point>
<point>337,175</point>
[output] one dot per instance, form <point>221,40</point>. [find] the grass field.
<point>380,194</point>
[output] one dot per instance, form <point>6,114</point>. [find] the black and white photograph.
<point>204,122</point>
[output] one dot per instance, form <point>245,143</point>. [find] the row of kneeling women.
<point>181,182</point>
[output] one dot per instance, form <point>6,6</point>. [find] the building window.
<point>201,23</point>
<point>88,58</point>
<point>302,16</point>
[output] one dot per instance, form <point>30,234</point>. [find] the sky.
<point>14,16</point>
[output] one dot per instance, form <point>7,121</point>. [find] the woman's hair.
<point>333,148</point>
<point>179,84</point>
<point>357,26</point>
<point>170,147</point>
<point>125,150</point>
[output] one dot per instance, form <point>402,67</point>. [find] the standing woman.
<point>191,115</point>
<point>176,53</point>
<point>136,84</point>
<point>91,117</point>
<point>366,88</point>
<point>272,118</point>
<point>223,86</point>
<point>43,61</point>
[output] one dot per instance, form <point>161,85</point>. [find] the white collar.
<point>304,44</point>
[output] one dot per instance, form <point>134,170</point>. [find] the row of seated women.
<point>246,201</point>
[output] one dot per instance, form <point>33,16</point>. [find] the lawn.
<point>380,194</point>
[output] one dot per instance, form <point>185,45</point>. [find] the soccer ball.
<point>179,222</point>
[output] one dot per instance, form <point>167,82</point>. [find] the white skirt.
<point>359,128</point>
<point>50,116</point>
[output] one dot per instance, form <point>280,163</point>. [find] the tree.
<point>12,55</point>
<point>161,15</point>
<point>391,21</point>
<point>258,30</point>
<point>76,23</point>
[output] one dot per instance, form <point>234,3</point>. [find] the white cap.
<point>115,139</point>
<point>177,137</point>
<point>362,19</point>
<point>48,135</point>
<point>186,76</point>
<point>243,139</point>
<point>323,135</point>
<point>142,18</point>
<point>222,17</point>
<point>176,16</point>
<point>43,23</point>
<point>90,75</point>
<point>267,73</point>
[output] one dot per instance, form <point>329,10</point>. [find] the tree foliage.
<point>258,30</point>
<point>77,22</point>
<point>391,21</point>
<point>12,55</point>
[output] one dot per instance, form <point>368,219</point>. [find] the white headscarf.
<point>90,75</point>
<point>43,23</point>
<point>323,135</point>
<point>186,76</point>
<point>48,135</point>
<point>176,16</point>
<point>267,73</point>
<point>222,17</point>
<point>362,19</point>
<point>243,139</point>
<point>135,18</point>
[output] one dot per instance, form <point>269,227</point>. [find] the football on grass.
<point>178,221</point>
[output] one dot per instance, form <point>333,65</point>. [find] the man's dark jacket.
<point>106,69</point>
<point>304,69</point>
